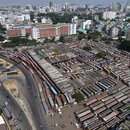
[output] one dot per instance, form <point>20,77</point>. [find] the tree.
<point>100,54</point>
<point>81,36</point>
<point>125,45</point>
<point>61,38</point>
<point>15,49</point>
<point>87,48</point>
<point>94,35</point>
<point>46,40</point>
<point>78,97</point>
<point>27,35</point>
<point>2,38</point>
<point>0,111</point>
<point>53,39</point>
<point>2,30</point>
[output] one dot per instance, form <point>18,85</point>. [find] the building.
<point>18,30</point>
<point>70,39</point>
<point>75,20</point>
<point>108,15</point>
<point>50,4</point>
<point>41,31</point>
<point>114,32</point>
<point>127,34</point>
<point>2,124</point>
<point>86,24</point>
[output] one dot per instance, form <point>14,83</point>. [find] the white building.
<point>35,33</point>
<point>46,21</point>
<point>109,15</point>
<point>72,28</point>
<point>75,20</point>
<point>2,20</point>
<point>85,24</point>
<point>114,32</point>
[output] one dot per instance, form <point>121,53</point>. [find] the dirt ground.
<point>5,63</point>
<point>12,86</point>
<point>67,118</point>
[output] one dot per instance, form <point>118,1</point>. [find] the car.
<point>76,124</point>
<point>8,96</point>
<point>59,111</point>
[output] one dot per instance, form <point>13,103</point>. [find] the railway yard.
<point>65,70</point>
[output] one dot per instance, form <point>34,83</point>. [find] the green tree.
<point>94,35</point>
<point>61,38</point>
<point>125,45</point>
<point>27,35</point>
<point>2,38</point>
<point>2,30</point>
<point>46,40</point>
<point>78,97</point>
<point>81,36</point>
<point>0,111</point>
<point>87,48</point>
<point>100,54</point>
<point>53,39</point>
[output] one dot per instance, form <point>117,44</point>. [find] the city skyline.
<point>46,2</point>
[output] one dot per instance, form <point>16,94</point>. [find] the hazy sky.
<point>45,2</point>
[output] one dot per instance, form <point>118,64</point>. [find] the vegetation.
<point>61,38</point>
<point>2,30</point>
<point>124,45</point>
<point>0,111</point>
<point>63,18</point>
<point>81,36</point>
<point>94,35</point>
<point>107,39</point>
<point>2,38</point>
<point>18,41</point>
<point>78,97</point>
<point>87,48</point>
<point>57,52</point>
<point>27,35</point>
<point>100,54</point>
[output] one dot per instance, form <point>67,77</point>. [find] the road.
<point>30,92</point>
<point>14,108</point>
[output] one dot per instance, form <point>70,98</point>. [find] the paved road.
<point>30,91</point>
<point>15,109</point>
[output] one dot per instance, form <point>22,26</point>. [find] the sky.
<point>45,2</point>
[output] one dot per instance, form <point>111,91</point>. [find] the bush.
<point>100,54</point>
<point>87,48</point>
<point>78,97</point>
<point>125,45</point>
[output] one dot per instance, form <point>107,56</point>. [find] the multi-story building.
<point>108,15</point>
<point>114,32</point>
<point>19,31</point>
<point>41,31</point>
<point>127,34</point>
<point>86,24</point>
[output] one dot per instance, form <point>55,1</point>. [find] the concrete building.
<point>86,24</point>
<point>75,20</point>
<point>46,21</point>
<point>109,15</point>
<point>41,31</point>
<point>114,32</point>
<point>2,124</point>
<point>127,34</point>
<point>18,30</point>
<point>2,20</point>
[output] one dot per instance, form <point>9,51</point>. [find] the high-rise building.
<point>66,6</point>
<point>109,15</point>
<point>114,32</point>
<point>50,4</point>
